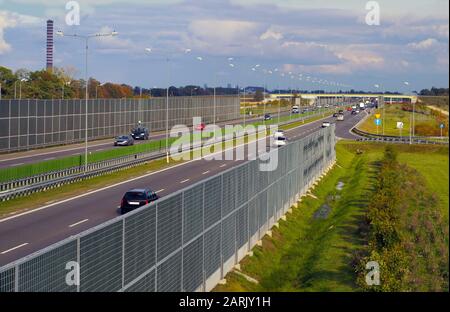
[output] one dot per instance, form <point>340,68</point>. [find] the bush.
<point>407,234</point>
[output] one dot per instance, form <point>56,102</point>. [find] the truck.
<point>362,106</point>
<point>295,109</point>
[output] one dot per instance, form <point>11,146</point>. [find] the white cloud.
<point>423,45</point>
<point>271,34</point>
<point>11,20</point>
<point>222,31</point>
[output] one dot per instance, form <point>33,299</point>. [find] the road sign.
<point>399,125</point>
<point>442,126</point>
<point>378,121</point>
<point>377,116</point>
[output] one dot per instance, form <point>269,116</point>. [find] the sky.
<point>304,44</point>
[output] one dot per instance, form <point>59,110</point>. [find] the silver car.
<point>124,140</point>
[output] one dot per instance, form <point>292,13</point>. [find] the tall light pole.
<point>63,86</point>
<point>86,39</point>
<point>186,51</point>
<point>96,89</point>
<point>167,110</point>
<point>413,130</point>
<point>20,87</point>
<point>378,86</point>
<point>200,59</point>
<point>150,50</point>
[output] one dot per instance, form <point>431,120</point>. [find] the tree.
<point>259,96</point>
<point>7,79</point>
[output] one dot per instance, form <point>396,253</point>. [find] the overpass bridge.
<point>388,98</point>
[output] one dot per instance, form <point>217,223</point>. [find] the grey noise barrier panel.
<point>26,124</point>
<point>187,241</point>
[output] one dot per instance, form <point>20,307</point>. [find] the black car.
<point>140,133</point>
<point>335,114</point>
<point>354,112</point>
<point>341,111</point>
<point>136,198</point>
<point>267,117</point>
<point>124,140</point>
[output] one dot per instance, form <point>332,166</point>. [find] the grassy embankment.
<point>406,232</point>
<point>307,253</point>
<point>441,102</point>
<point>426,121</point>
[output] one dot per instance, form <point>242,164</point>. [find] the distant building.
<point>49,45</point>
<point>229,86</point>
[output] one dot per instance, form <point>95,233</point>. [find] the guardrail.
<point>27,186</point>
<point>366,136</point>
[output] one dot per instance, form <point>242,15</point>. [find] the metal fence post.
<point>123,253</point>
<point>79,264</point>
<point>182,242</point>
<point>16,278</point>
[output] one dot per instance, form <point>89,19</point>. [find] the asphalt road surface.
<point>51,153</point>
<point>26,233</point>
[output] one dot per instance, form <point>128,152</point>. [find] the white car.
<point>280,141</point>
<point>278,134</point>
<point>340,117</point>
<point>326,124</point>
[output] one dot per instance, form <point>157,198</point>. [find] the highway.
<point>51,153</point>
<point>26,233</point>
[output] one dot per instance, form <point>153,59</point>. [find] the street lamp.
<point>20,87</point>
<point>63,85</point>
<point>192,90</point>
<point>150,50</point>
<point>100,85</point>
<point>378,86</point>
<point>86,39</point>
<point>413,130</point>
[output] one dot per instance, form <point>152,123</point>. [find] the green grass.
<point>431,161</point>
<point>434,166</point>
<point>307,254</point>
<point>393,114</point>
<point>23,171</point>
<point>27,170</point>
<point>441,102</point>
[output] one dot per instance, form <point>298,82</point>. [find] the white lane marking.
<point>50,158</point>
<point>184,181</point>
<point>15,165</point>
<point>100,149</point>
<point>206,172</point>
<point>159,191</point>
<point>137,178</point>
<point>76,154</point>
<point>53,152</point>
<point>78,223</point>
<point>224,165</point>
<point>14,248</point>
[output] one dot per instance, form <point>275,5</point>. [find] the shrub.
<point>407,235</point>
